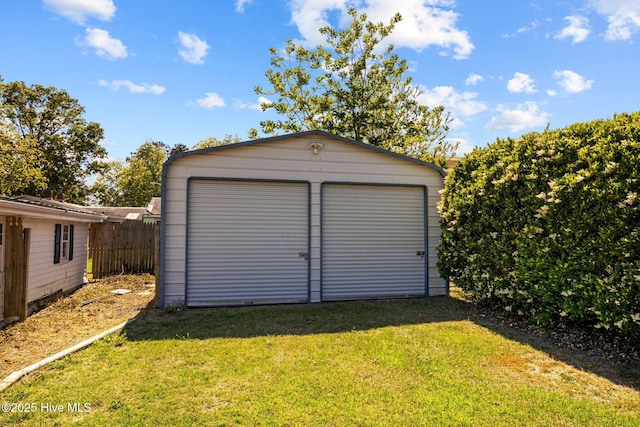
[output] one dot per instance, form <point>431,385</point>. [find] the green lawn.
<point>388,363</point>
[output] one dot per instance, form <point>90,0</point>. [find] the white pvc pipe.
<point>15,376</point>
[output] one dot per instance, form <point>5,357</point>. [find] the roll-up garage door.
<point>373,241</point>
<point>247,242</point>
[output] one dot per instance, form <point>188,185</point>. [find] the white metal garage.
<point>305,217</point>
<point>373,241</point>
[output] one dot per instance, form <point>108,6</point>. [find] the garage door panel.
<point>370,238</point>
<point>244,242</point>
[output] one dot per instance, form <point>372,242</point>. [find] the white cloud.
<point>240,105</point>
<point>103,44</point>
<point>521,83</point>
<point>531,27</point>
<point>572,82</point>
<point>460,104</point>
<point>240,4</point>
<point>310,15</point>
<point>522,117</point>
<point>522,30</point>
<point>133,87</point>
<point>261,101</point>
<point>623,17</point>
<point>211,100</point>
<point>194,50</point>
<point>79,10</point>
<point>424,23</point>
<point>473,79</point>
<point>257,106</point>
<point>578,29</point>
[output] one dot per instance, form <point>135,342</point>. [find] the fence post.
<point>17,243</point>
<point>156,256</point>
<point>26,250</point>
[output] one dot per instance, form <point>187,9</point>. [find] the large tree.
<point>46,124</point>
<point>18,162</point>
<point>105,190</point>
<point>354,86</point>
<point>136,180</point>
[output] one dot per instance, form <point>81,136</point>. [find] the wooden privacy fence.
<point>128,247</point>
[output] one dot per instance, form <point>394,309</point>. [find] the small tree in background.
<point>135,181</point>
<point>355,87</point>
<point>215,142</point>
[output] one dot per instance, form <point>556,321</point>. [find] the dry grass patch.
<point>65,322</point>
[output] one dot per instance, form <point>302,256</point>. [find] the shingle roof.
<point>49,203</point>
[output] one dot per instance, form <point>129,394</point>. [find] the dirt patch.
<point>67,322</point>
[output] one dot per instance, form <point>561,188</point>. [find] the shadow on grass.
<point>309,319</point>
<point>292,319</point>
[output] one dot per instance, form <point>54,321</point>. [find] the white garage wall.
<point>290,158</point>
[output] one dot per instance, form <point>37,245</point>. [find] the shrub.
<point>549,224</point>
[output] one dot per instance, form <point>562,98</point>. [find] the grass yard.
<point>401,362</point>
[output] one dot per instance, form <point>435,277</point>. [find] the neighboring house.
<point>119,214</point>
<point>452,162</point>
<point>43,250</point>
<point>154,211</point>
<point>306,217</point>
<point>148,215</point>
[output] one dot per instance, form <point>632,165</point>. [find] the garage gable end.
<point>308,135</point>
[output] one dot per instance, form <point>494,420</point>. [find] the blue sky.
<point>181,71</point>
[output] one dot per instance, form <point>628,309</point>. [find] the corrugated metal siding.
<point>370,236</point>
<point>244,242</point>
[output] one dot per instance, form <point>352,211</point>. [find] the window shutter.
<point>70,242</point>
<point>56,244</point>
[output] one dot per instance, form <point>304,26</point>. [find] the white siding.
<point>45,277</point>
<point>247,243</point>
<point>371,236</point>
<point>290,159</point>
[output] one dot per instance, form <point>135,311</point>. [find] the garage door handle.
<point>420,254</point>
<point>304,255</point>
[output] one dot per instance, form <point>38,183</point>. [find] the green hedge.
<point>549,224</point>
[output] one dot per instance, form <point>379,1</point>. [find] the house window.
<point>63,243</point>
